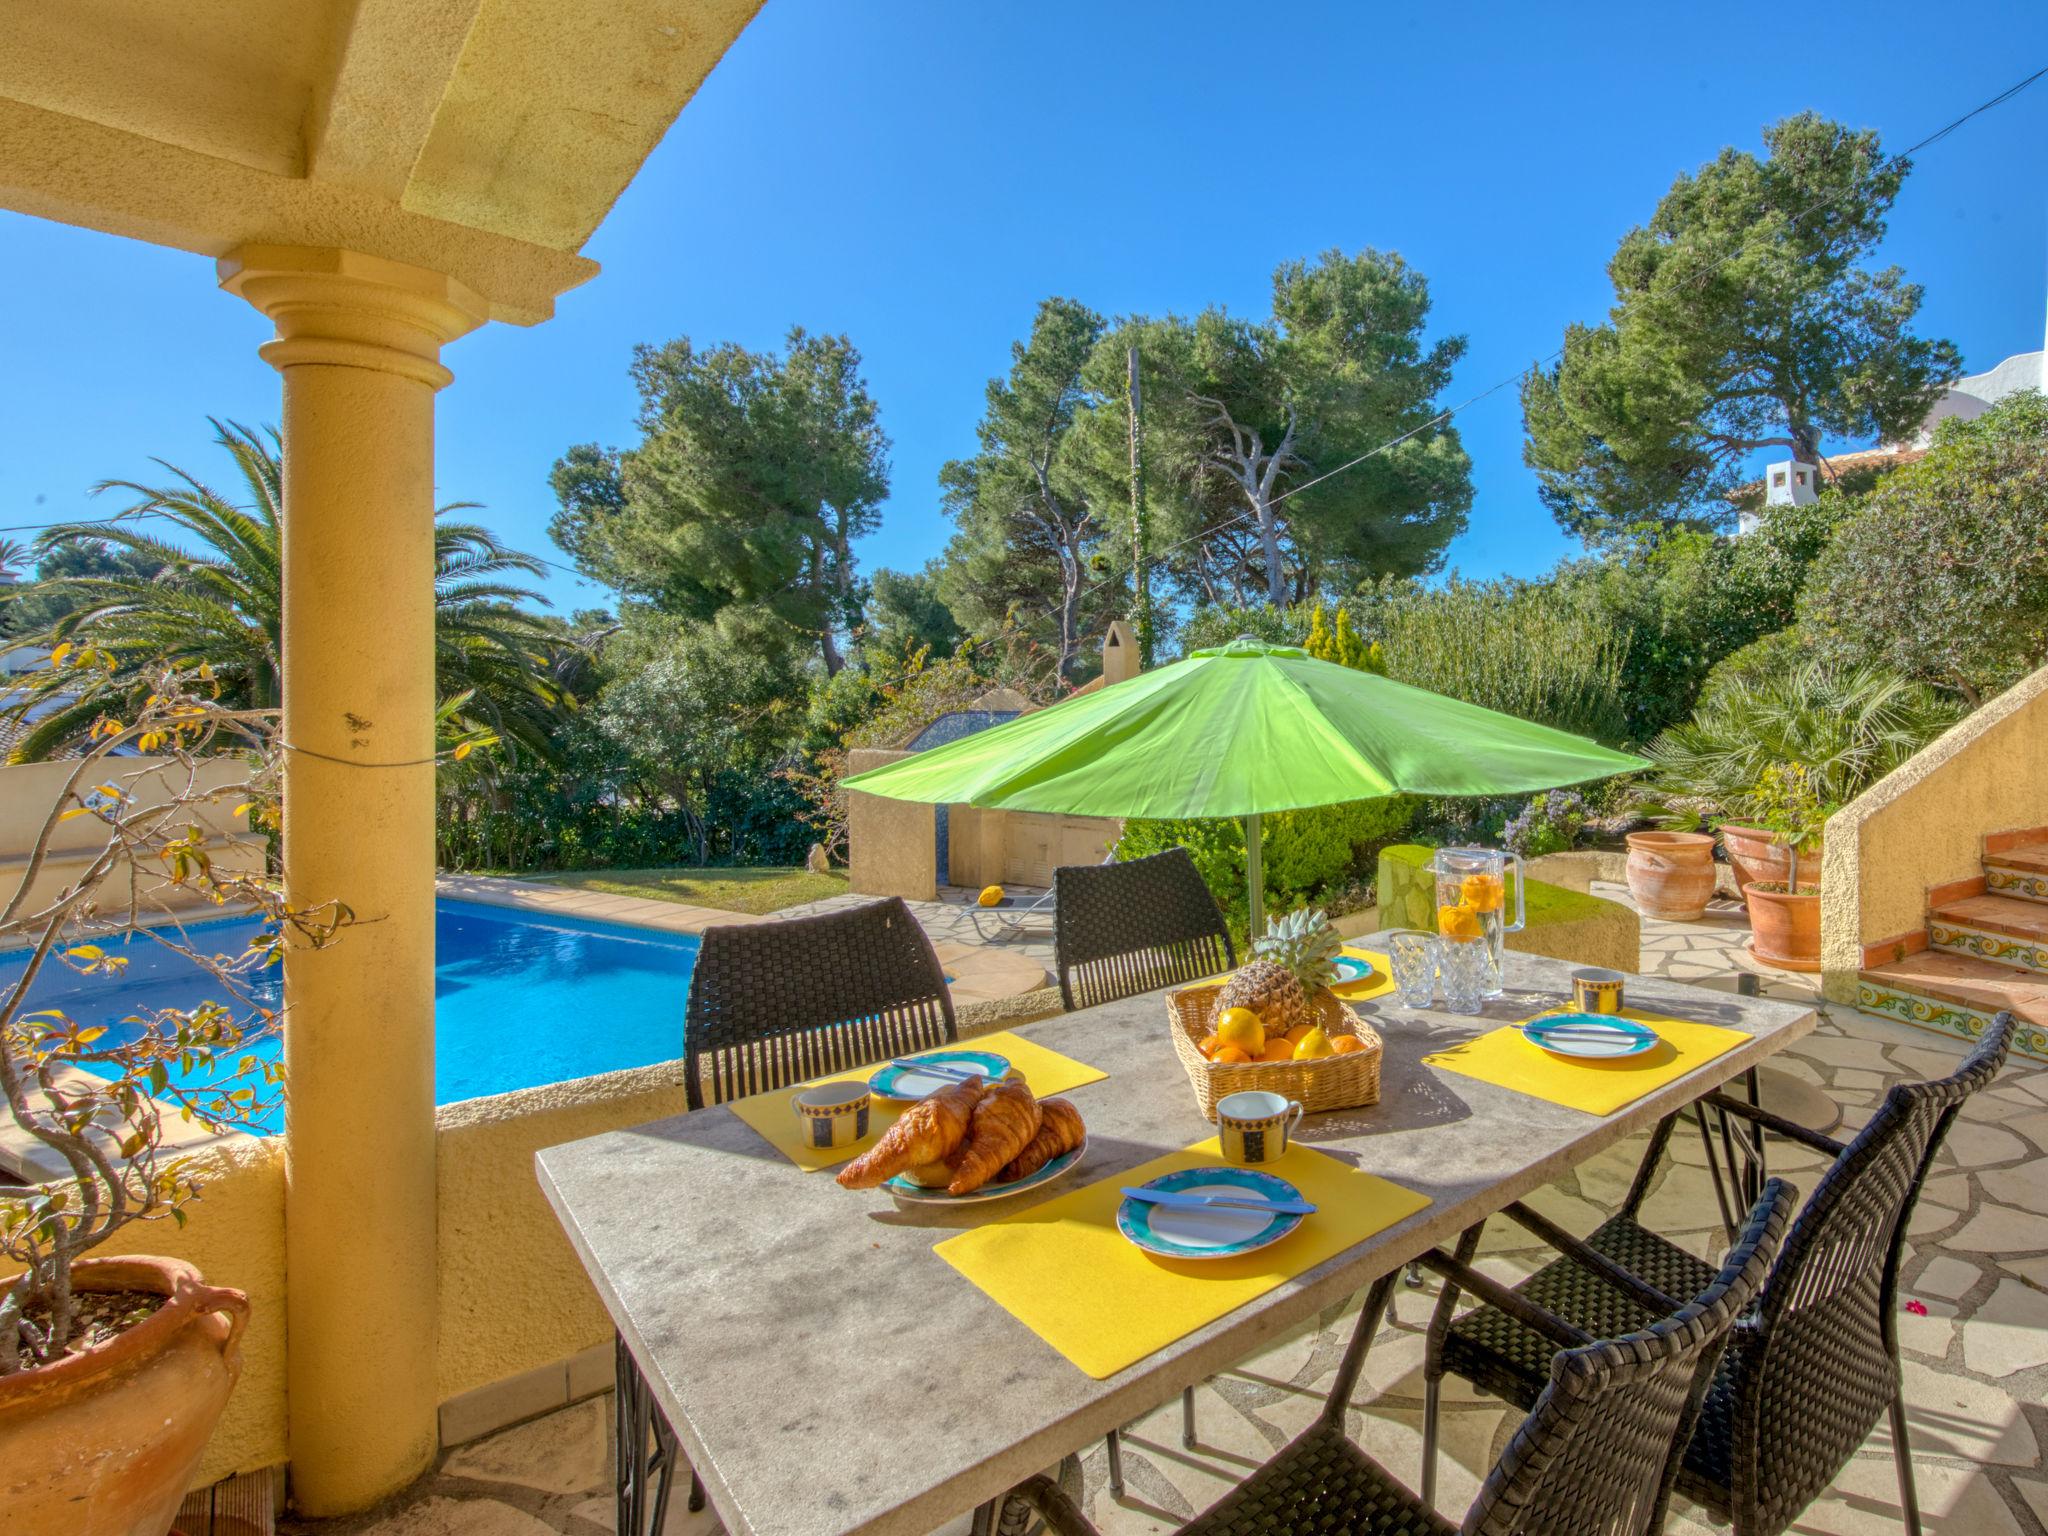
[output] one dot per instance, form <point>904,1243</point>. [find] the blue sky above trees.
<point>919,176</point>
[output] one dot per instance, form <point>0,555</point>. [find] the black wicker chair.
<point>771,1004</point>
<point>777,1002</point>
<point>1809,1372</point>
<point>1121,929</point>
<point>1595,1456</point>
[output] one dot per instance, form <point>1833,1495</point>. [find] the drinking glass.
<point>1411,956</point>
<point>1465,965</point>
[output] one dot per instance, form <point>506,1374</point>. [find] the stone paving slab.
<point>1976,1362</point>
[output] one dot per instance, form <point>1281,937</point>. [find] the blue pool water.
<point>520,998</point>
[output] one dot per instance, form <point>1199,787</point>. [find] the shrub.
<point>1310,856</point>
<point>1535,650</point>
<point>1686,601</point>
<point>1943,576</point>
<point>1847,730</point>
<point>1547,824</point>
<point>1217,624</point>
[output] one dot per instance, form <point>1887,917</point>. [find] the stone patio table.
<point>827,1373</point>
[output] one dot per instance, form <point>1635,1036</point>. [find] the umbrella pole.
<point>1255,877</point>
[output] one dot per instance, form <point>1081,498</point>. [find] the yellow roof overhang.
<point>484,139</point>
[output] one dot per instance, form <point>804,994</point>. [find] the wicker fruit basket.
<point>1343,1081</point>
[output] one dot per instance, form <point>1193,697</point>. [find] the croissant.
<point>1004,1120</point>
<point>923,1133</point>
<point>1059,1131</point>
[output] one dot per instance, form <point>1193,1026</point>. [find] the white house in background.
<point>1789,483</point>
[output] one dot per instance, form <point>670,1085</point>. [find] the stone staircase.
<point>1985,948</point>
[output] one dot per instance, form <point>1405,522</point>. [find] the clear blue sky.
<point>920,175</point>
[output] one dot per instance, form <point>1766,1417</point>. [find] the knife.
<point>1219,1202</point>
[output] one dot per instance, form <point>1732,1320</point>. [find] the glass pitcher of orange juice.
<point>1471,902</point>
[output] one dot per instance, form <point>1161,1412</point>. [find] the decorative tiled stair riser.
<point>2027,884</point>
<point>2000,948</point>
<point>1946,1018</point>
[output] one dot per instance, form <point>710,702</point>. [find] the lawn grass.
<point>758,891</point>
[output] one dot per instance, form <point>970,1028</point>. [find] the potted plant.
<point>1784,916</point>
<point>113,1371</point>
<point>1848,729</point>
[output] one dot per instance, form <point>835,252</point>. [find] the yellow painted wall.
<point>28,790</point>
<point>1923,825</point>
<point>892,846</point>
<point>513,1295</point>
<point>235,1234</point>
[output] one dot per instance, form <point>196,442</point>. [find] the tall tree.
<point>1247,418</point>
<point>754,474</point>
<point>905,613</point>
<point>187,576</point>
<point>1029,527</point>
<point>1744,319</point>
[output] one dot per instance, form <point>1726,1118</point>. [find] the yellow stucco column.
<point>358,343</point>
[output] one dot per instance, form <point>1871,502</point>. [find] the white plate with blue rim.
<point>903,1187</point>
<point>907,1083</point>
<point>1590,1036</point>
<point>1177,1232</point>
<point>1351,968</point>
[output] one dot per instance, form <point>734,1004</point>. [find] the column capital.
<point>345,309</point>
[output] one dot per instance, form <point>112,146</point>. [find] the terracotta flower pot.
<point>1757,855</point>
<point>103,1443</point>
<point>1671,874</point>
<point>1785,927</point>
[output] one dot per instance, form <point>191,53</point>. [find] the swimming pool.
<point>520,998</point>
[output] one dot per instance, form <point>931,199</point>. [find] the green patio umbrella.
<point>1240,731</point>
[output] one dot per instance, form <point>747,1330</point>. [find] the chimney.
<point>1119,653</point>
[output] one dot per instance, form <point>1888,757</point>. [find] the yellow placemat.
<point>1065,1272</point>
<point>1381,980</point>
<point>1505,1057</point>
<point>1047,1072</point>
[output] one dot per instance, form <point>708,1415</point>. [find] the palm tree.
<point>217,600</point>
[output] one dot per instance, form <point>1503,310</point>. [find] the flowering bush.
<point>1547,824</point>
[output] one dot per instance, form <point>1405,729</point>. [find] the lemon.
<point>991,896</point>
<point>1314,1045</point>
<point>1241,1027</point>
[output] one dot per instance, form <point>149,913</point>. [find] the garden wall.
<point>28,790</point>
<point>235,1234</point>
<point>515,1304</point>
<point>1923,825</point>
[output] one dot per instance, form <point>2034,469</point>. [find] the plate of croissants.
<point>972,1141</point>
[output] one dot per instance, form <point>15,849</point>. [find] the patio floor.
<point>1976,1371</point>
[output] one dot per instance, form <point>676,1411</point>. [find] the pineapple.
<point>1291,963</point>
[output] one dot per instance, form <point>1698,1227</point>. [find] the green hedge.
<point>1312,856</point>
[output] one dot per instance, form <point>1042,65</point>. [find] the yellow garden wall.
<point>1923,825</point>
<point>28,790</point>
<point>513,1295</point>
<point>235,1234</point>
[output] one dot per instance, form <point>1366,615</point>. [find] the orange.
<point>1207,1045</point>
<point>1229,1053</point>
<point>1295,1034</point>
<point>1242,1028</point>
<point>1459,922</point>
<point>1344,1045</point>
<point>1482,893</point>
<point>1277,1049</point>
